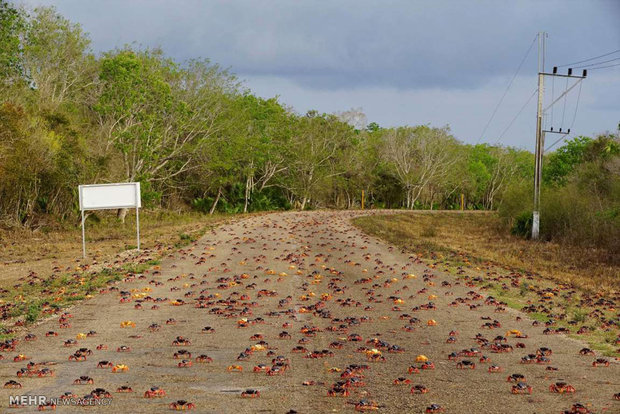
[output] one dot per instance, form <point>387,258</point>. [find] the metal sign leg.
<point>83,237</point>
<point>138,227</point>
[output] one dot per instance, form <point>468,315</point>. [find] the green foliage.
<point>562,162</point>
<point>12,25</point>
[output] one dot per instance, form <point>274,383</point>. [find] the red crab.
<point>12,384</point>
<point>182,405</point>
<point>495,368</point>
<point>413,370</point>
<point>84,379</point>
<point>77,357</point>
<point>68,395</point>
<point>261,368</point>
<point>47,406</point>
<point>186,363</point>
<point>521,388</point>
<point>561,388</point>
<point>124,388</point>
<point>427,365</point>
<point>600,362</point>
<point>434,408</point>
<point>402,380</point>
<point>180,341</point>
<point>182,353</point>
<point>154,392</point>
<point>419,389</point>
<point>466,365</point>
<point>337,391</point>
<point>105,364</point>
<point>250,393</point>
<point>578,408</point>
<point>203,359</point>
<point>366,405</point>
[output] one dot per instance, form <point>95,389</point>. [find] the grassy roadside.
<point>527,276</point>
<point>61,280</point>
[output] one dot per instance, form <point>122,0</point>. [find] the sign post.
<point>110,197</point>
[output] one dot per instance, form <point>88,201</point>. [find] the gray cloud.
<point>316,53</point>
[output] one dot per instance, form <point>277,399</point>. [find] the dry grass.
<point>23,251</point>
<point>481,236</point>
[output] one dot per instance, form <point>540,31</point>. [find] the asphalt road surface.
<point>313,283</point>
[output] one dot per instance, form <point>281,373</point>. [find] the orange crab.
<point>120,368</point>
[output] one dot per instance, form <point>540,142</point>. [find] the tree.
<point>315,141</point>
<point>56,58</point>
<point>419,156</point>
<point>12,26</point>
<point>561,162</point>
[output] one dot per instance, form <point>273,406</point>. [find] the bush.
<point>522,225</point>
<point>582,209</point>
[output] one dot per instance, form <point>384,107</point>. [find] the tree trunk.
<point>249,186</point>
<point>303,203</point>
<point>217,198</point>
<point>121,214</point>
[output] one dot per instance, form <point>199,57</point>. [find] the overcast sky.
<point>403,62</point>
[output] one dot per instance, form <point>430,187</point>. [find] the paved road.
<point>254,279</point>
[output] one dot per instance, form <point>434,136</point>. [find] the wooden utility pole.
<point>362,199</point>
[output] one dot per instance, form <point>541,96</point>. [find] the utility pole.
<point>540,133</point>
<point>540,137</point>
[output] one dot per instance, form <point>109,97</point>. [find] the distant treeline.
<point>195,137</point>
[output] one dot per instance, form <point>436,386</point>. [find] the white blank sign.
<point>109,196</point>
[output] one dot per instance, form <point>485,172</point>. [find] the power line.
<point>506,91</point>
<point>516,116</point>
<point>564,106</point>
<point>587,60</point>
<point>597,63</point>
<point>603,67</point>
<point>576,107</point>
<point>554,144</point>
